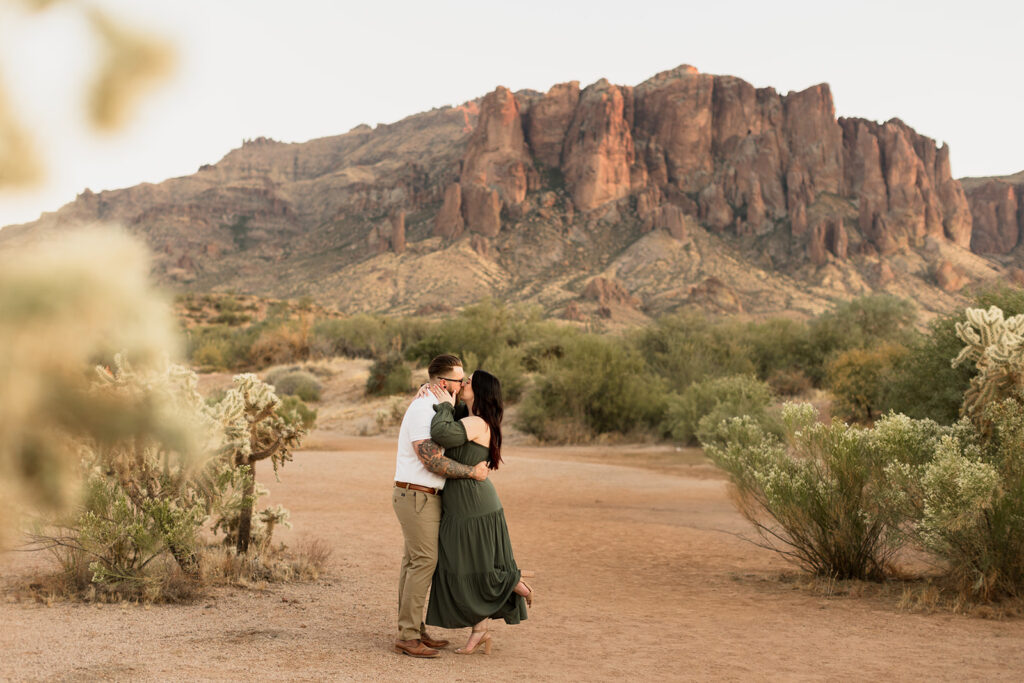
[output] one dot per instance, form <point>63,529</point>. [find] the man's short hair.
<point>442,365</point>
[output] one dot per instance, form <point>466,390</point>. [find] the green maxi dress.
<point>476,572</point>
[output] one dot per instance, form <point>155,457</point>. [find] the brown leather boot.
<point>415,648</point>
<point>431,642</point>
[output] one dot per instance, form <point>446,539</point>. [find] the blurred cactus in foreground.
<point>131,63</point>
<point>63,309</point>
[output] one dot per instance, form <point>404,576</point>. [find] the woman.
<point>476,577</point>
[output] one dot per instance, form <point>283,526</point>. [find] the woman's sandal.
<point>485,640</point>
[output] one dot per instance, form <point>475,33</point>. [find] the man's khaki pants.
<point>419,514</point>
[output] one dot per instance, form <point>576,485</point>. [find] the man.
<point>420,473</point>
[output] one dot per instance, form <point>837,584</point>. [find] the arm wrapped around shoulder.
<point>445,430</point>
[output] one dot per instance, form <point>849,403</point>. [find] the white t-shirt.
<point>416,427</point>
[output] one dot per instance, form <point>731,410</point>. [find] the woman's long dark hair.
<point>488,404</point>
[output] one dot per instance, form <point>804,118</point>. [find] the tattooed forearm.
<point>432,457</point>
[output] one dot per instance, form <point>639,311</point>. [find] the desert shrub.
<point>221,347</point>
<point>780,347</point>
<point>789,382</point>
<point>964,500</point>
<point>1008,299</point>
<point>231,318</point>
<point>702,405</point>
<point>507,365</point>
<point>861,322</point>
<point>686,348</point>
<point>285,343</point>
<point>366,336</point>
<point>600,383</point>
<point>123,536</point>
<point>971,497</point>
<point>278,311</point>
<point>858,378</point>
<point>545,341</point>
<point>295,382</point>
<point>858,324</point>
<point>923,383</point>
<point>962,496</point>
<point>813,496</point>
<point>483,329</point>
<point>147,496</point>
<point>974,508</point>
<point>293,411</point>
<point>388,375</point>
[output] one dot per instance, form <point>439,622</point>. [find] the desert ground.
<point>633,553</point>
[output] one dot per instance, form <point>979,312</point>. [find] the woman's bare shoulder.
<point>476,429</point>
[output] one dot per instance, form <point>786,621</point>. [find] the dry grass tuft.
<point>164,581</point>
<point>276,564</point>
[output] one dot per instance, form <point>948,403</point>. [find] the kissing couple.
<point>456,542</point>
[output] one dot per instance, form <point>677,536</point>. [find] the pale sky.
<point>304,69</point>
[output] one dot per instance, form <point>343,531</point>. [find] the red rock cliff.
<point>734,157</point>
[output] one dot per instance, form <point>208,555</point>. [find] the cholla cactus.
<point>167,472</point>
<point>263,524</point>
<point>996,347</point>
<point>254,431</point>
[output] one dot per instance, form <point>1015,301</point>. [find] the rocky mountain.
<point>611,201</point>
<point>997,211</point>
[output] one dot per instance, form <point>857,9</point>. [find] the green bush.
<point>789,382</point>
<point>367,336</point>
<point>222,347</point>
<point>687,348</point>
<point>293,410</point>
<point>969,498</point>
<point>923,383</point>
<point>598,385</point>
<point>702,405</point>
<point>814,496</point>
<point>295,382</point>
<point>858,378</point>
<point>974,509</point>
<point>961,496</point>
<point>781,347</point>
<point>483,329</point>
<point>858,324</point>
<point>507,366</point>
<point>388,375</point>
<point>1010,300</point>
<point>123,536</point>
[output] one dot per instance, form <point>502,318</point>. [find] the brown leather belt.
<point>417,487</point>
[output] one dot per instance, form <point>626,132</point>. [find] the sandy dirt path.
<point>637,576</point>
